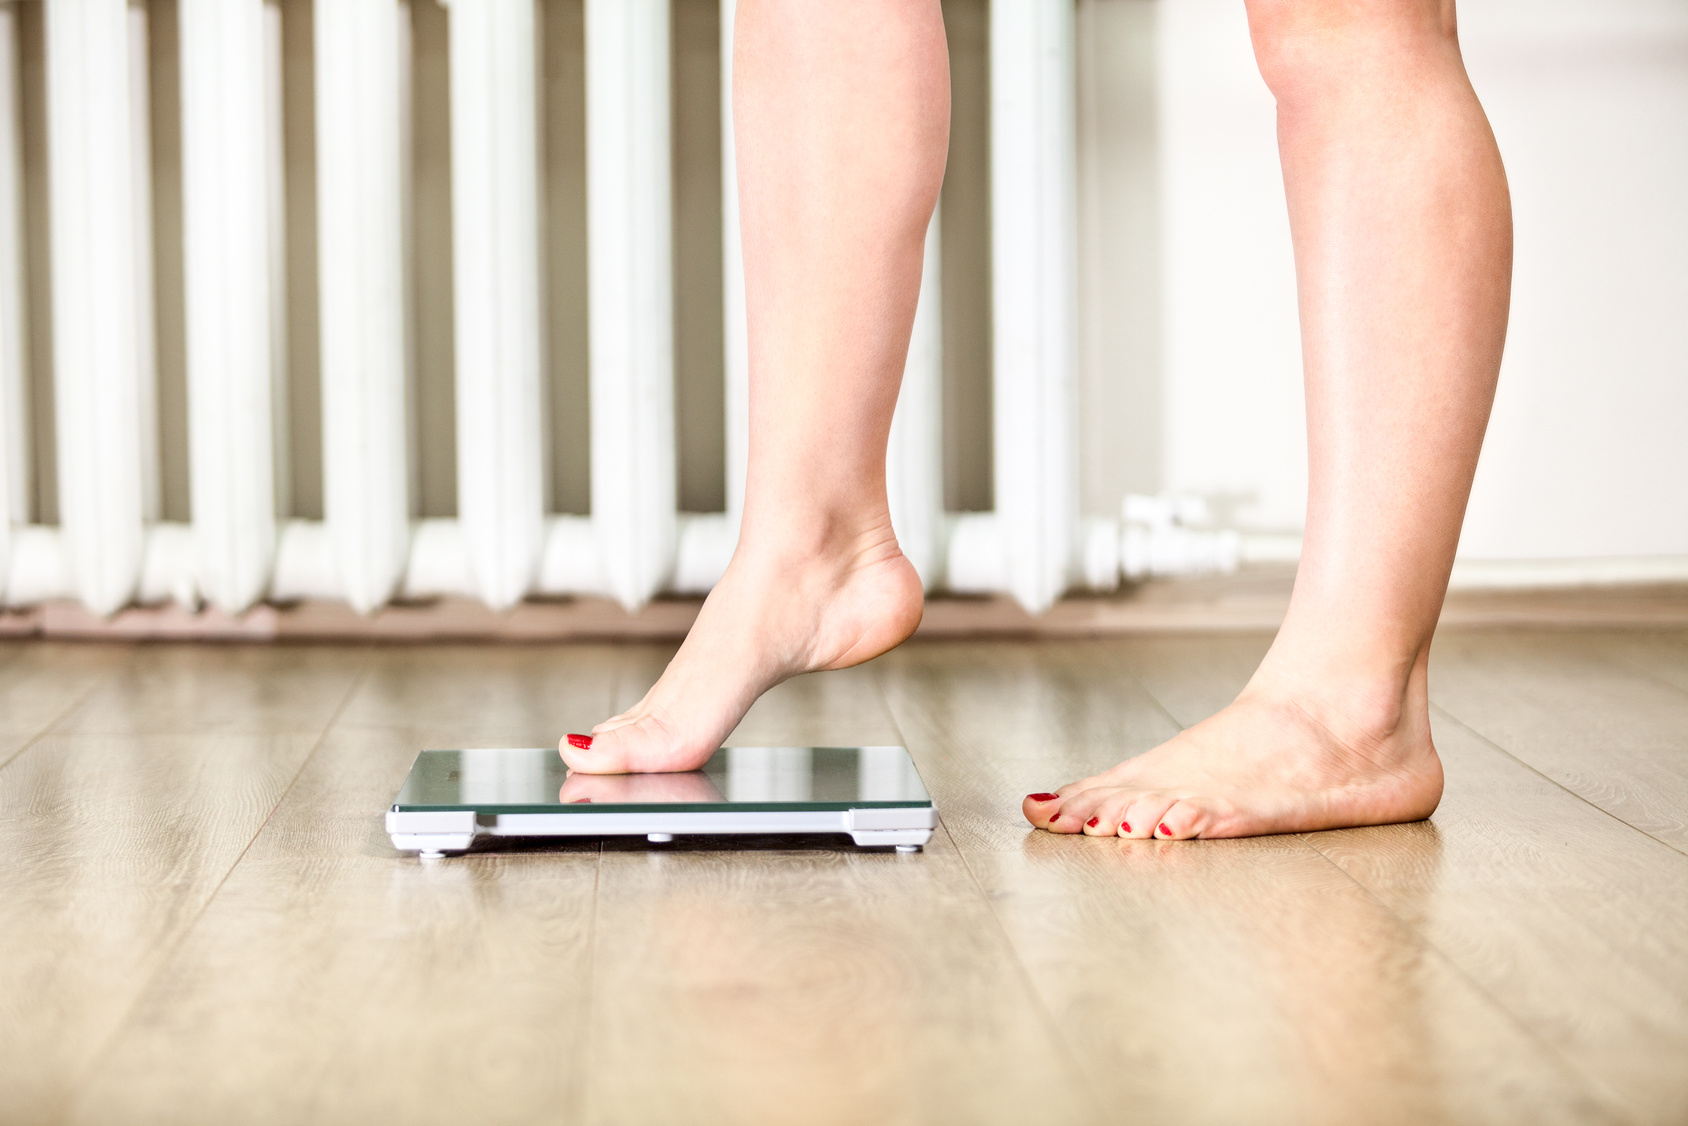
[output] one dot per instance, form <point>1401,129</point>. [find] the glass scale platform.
<point>871,793</point>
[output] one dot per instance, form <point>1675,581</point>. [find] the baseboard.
<point>1253,599</point>
<point>1546,574</point>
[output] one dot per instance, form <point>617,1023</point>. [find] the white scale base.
<point>433,834</point>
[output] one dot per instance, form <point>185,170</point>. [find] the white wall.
<point>1119,284</point>
<point>1232,412</point>
<point>1588,452</point>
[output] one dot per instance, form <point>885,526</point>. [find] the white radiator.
<point>111,549</point>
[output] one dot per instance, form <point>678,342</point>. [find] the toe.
<point>648,744</point>
<point>1040,807</point>
<point>1141,819</point>
<point>598,753</point>
<point>1182,821</point>
<point>1109,813</point>
<point>1078,809</point>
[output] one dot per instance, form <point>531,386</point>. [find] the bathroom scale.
<point>453,797</point>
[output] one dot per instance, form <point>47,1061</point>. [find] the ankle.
<point>1362,702</point>
<point>807,535</point>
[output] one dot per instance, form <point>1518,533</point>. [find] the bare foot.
<point>773,615</point>
<point>1282,759</point>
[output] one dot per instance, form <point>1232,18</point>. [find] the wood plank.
<point>441,697</point>
<point>1533,954</point>
<point>988,724</point>
<point>1192,677</point>
<point>520,690</point>
<point>41,681</point>
<point>816,986</point>
<point>1574,922</point>
<point>804,981</point>
<point>113,845</point>
<point>1251,981</point>
<point>1222,981</point>
<point>366,989</point>
<point>12,744</point>
<point>1617,738</point>
<point>1660,654</point>
<point>220,688</point>
<point>1583,968</point>
<point>334,980</point>
<point>1518,958</point>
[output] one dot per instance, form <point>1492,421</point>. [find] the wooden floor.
<point>201,920</point>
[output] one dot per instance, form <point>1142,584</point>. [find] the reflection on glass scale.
<point>872,793</point>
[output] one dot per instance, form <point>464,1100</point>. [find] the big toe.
<point>1039,808</point>
<point>598,753</point>
<point>644,745</point>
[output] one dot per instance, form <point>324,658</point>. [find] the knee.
<point>1310,45</point>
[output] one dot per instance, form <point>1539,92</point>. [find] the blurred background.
<point>360,302</point>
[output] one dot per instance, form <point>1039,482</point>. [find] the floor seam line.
<point>55,722</point>
<point>588,1003</point>
<point>1595,1085</point>
<point>1549,779</point>
<point>1621,665</point>
<point>1053,1028</point>
<point>1156,701</point>
<point>98,1057</point>
<point>1050,1023</point>
<point>582,1098</point>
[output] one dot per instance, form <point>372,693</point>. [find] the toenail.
<point>582,742</point>
<point>1126,825</point>
<point>1165,830</point>
<point>1093,822</point>
<point>1043,797</point>
<point>1055,818</point>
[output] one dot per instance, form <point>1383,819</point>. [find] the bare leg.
<point>841,119</point>
<point>1403,247</point>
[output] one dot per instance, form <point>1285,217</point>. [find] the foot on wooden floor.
<point>1281,759</point>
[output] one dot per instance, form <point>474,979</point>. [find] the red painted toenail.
<point>1126,825</point>
<point>1165,830</point>
<point>1093,822</point>
<point>1055,818</point>
<point>583,742</point>
<point>1043,797</point>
